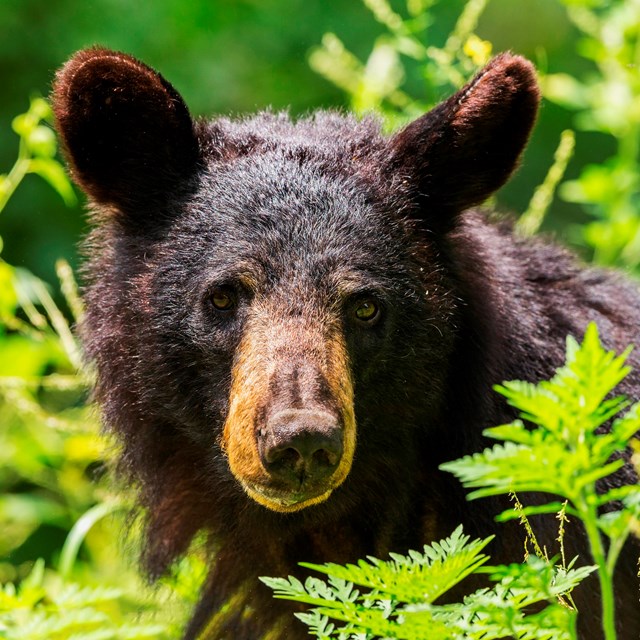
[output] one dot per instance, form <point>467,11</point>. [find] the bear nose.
<point>301,445</point>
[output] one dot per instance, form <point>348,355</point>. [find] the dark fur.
<point>303,208</point>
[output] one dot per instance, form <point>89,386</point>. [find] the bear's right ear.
<point>128,135</point>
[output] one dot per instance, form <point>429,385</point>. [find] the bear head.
<point>269,305</point>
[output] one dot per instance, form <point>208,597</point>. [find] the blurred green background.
<point>236,56</point>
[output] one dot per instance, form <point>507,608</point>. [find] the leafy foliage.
<point>606,100</point>
<point>36,154</point>
<point>399,595</point>
<point>376,84</point>
<point>39,609</point>
<point>561,450</point>
<point>412,579</point>
<point>48,437</point>
<point>566,452</point>
<point>54,487</point>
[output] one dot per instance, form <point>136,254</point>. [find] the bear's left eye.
<point>223,298</point>
<point>367,311</point>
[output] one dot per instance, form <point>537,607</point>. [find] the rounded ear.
<point>127,133</point>
<point>463,150</point>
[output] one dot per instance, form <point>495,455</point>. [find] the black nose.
<point>301,445</point>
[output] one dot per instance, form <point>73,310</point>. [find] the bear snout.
<point>290,432</point>
<point>301,447</point>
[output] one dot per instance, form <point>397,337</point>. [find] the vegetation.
<point>605,100</point>
<point>56,496</point>
<point>398,601</point>
<point>563,455</point>
<point>64,571</point>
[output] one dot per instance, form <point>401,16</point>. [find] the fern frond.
<point>418,577</point>
<point>397,600</point>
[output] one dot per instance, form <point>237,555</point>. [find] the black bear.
<point>294,323</point>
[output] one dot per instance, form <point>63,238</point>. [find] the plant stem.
<point>465,26</point>
<point>589,516</point>
<point>59,323</point>
<point>531,220</point>
<point>15,176</point>
<point>79,532</point>
<point>615,547</point>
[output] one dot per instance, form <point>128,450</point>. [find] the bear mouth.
<point>286,501</point>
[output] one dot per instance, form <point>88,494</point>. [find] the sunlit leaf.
<point>54,174</point>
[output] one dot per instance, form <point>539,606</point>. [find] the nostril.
<point>326,458</point>
<point>299,444</point>
<point>287,457</point>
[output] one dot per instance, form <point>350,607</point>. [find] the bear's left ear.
<point>127,133</point>
<point>463,150</point>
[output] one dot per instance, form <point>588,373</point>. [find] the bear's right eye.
<point>223,298</point>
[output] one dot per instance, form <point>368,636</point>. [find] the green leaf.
<point>41,141</point>
<point>53,172</point>
<point>23,124</point>
<point>24,357</point>
<point>31,508</point>
<point>566,452</point>
<point>418,577</point>
<point>565,90</point>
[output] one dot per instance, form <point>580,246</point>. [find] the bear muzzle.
<point>290,433</point>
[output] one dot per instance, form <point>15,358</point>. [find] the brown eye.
<point>367,311</point>
<point>223,299</point>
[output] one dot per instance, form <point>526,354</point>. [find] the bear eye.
<point>223,298</point>
<point>367,311</point>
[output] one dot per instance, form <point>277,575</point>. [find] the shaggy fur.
<point>299,226</point>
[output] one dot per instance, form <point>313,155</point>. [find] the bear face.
<point>264,288</point>
<point>265,268</point>
<point>294,323</point>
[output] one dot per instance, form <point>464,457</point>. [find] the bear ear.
<point>127,133</point>
<point>463,150</point>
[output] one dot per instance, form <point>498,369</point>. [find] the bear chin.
<point>283,502</point>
